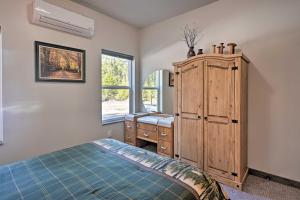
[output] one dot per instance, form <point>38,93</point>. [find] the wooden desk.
<point>136,133</point>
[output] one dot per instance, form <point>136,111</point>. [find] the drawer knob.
<point>163,134</point>
<point>128,137</point>
<point>128,126</point>
<point>146,135</point>
<point>164,148</point>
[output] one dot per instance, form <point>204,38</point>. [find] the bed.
<point>105,169</point>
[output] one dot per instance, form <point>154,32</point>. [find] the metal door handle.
<point>164,148</point>
<point>146,135</point>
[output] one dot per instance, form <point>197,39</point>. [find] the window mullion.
<point>150,88</point>
<point>115,87</point>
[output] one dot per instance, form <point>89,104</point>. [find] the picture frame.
<point>171,79</point>
<point>55,63</point>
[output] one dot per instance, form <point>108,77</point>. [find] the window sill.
<point>112,121</point>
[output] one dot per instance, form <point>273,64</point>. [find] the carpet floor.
<point>257,188</point>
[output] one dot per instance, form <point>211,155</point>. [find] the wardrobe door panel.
<point>190,139</point>
<point>218,91</point>
<point>220,149</point>
<point>190,110</point>
<point>191,91</point>
<point>218,111</point>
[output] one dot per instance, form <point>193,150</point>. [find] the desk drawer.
<point>129,137</point>
<point>165,134</point>
<point>165,148</point>
<point>129,126</point>
<point>147,135</point>
<point>148,127</point>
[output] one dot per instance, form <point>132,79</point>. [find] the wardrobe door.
<point>190,110</point>
<point>218,111</point>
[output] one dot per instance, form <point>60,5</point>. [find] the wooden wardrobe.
<point>211,115</point>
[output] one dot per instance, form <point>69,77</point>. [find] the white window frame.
<point>129,87</point>
<point>1,111</point>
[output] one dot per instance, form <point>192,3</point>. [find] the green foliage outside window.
<point>152,80</point>
<point>114,73</point>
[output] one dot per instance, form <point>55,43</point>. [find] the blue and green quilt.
<point>105,169</point>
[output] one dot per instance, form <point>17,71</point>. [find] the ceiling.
<point>142,13</point>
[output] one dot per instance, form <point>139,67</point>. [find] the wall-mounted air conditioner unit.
<point>55,17</point>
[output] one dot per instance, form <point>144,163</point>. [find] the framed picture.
<point>58,63</point>
<point>171,79</point>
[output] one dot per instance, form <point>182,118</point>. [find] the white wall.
<point>40,117</point>
<point>167,94</point>
<point>268,32</point>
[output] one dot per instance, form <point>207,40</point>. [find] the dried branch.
<point>190,35</point>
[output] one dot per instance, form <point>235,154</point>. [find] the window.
<point>116,77</point>
<point>151,92</point>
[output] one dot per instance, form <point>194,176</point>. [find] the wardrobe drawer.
<point>164,147</point>
<point>148,127</point>
<point>129,125</point>
<point>147,135</point>
<point>165,134</point>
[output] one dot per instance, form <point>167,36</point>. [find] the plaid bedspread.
<point>95,171</point>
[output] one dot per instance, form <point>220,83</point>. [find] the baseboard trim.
<point>274,178</point>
